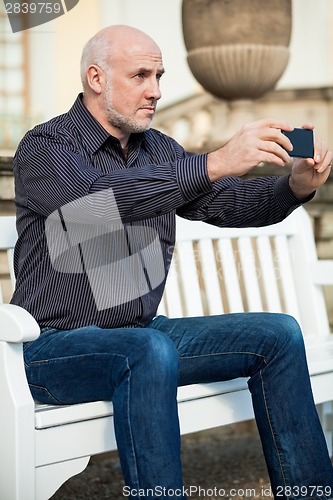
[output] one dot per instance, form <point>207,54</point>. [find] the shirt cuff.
<point>192,176</point>
<point>284,195</point>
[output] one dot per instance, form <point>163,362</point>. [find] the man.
<point>97,191</point>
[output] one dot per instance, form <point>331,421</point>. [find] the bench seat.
<point>320,360</point>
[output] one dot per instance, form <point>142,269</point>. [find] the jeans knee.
<point>288,336</point>
<point>159,354</point>
<point>288,327</point>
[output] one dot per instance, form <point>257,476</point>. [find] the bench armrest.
<point>322,272</point>
<point>17,325</point>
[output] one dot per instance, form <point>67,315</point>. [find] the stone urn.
<point>237,49</point>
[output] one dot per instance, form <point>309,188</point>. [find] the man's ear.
<point>95,78</point>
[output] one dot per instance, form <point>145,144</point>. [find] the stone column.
<point>237,50</point>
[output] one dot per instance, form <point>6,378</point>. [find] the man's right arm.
<point>52,173</point>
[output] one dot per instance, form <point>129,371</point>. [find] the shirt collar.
<point>93,133</point>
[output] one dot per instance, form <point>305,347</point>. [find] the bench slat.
<point>172,294</point>
<point>8,234</point>
<point>189,278</point>
<point>249,272</point>
<point>210,275</point>
<point>285,277</point>
<point>230,276</point>
<point>268,274</point>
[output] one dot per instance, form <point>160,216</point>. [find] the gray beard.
<point>124,124</point>
<point>120,122</point>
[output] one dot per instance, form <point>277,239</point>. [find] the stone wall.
<point>6,186</point>
<point>7,207</point>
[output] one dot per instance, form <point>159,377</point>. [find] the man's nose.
<point>153,90</point>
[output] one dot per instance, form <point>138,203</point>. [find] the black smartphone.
<point>302,141</point>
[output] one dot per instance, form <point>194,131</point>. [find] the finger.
<point>284,142</point>
<point>320,152</point>
<point>310,162</point>
<point>308,126</point>
<point>271,123</point>
<point>274,149</point>
<point>280,138</point>
<point>327,163</point>
<point>272,158</point>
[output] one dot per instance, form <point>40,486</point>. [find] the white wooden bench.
<point>214,271</point>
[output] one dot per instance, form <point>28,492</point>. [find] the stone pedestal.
<point>237,50</point>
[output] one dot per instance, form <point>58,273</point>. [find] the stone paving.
<point>225,463</point>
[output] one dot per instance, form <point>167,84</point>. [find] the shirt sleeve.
<point>235,202</point>
<point>51,173</point>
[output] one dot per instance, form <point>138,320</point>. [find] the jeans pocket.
<point>43,395</point>
<point>31,349</point>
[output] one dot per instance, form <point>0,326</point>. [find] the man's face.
<point>133,88</point>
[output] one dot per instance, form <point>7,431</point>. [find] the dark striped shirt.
<point>96,231</point>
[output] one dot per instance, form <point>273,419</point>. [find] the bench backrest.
<point>250,269</point>
<point>233,270</point>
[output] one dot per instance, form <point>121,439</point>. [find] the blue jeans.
<point>139,369</point>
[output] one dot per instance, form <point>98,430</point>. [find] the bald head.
<point>110,44</point>
<point>121,69</point>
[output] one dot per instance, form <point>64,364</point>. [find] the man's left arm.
<point>234,202</point>
<point>262,200</point>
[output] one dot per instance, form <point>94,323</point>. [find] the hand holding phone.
<point>302,141</point>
